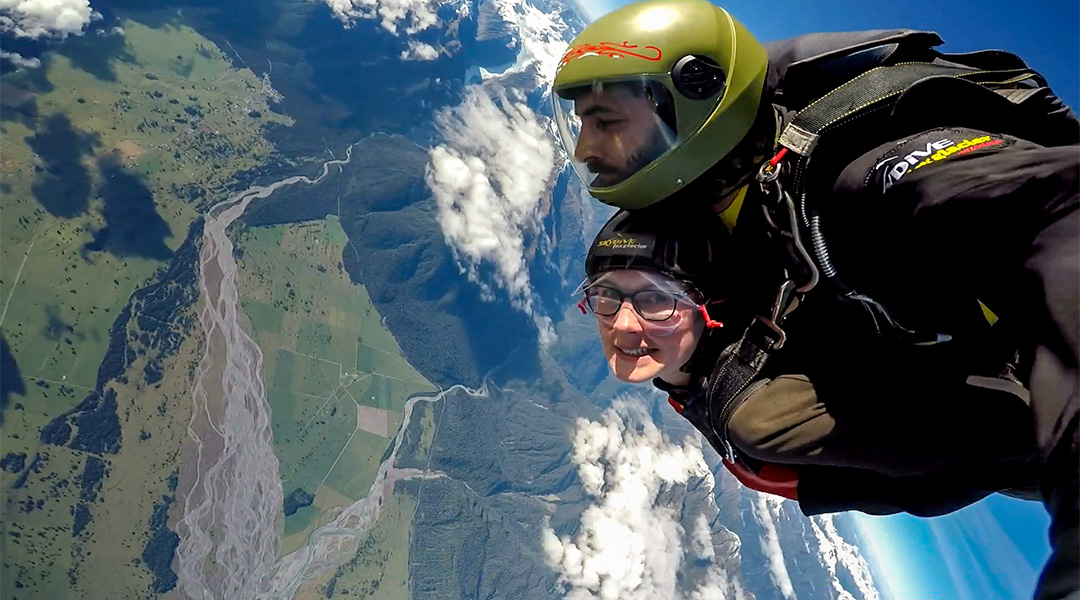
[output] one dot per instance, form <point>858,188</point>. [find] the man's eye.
<point>604,124</point>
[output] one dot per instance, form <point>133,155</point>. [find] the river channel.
<point>229,541</point>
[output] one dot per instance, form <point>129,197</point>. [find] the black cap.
<point>684,244</point>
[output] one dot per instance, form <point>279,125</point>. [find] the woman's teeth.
<point>635,352</point>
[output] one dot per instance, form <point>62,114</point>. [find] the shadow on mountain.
<point>11,381</point>
<point>17,105</point>
<point>96,51</point>
<point>63,184</point>
<point>501,455</point>
<point>397,251</point>
<point>165,14</point>
<point>132,225</point>
<point>504,341</point>
<point>18,90</point>
<point>340,83</point>
<point>21,53</point>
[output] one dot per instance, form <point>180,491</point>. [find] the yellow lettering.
<point>617,243</point>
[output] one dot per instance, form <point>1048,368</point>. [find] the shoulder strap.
<point>852,107</point>
<point>873,91</point>
<point>736,375</point>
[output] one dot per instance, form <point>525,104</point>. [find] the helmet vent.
<point>697,77</point>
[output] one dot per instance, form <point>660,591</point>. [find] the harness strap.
<point>870,91</point>
<point>737,375</point>
<point>779,480</point>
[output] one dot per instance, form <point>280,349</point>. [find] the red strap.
<point>779,157</point>
<point>709,322</point>
<point>773,479</point>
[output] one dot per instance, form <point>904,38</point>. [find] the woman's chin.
<point>629,370</point>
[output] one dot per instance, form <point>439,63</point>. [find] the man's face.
<point>620,133</point>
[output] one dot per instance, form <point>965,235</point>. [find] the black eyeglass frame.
<point>622,297</point>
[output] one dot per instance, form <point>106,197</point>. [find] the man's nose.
<point>588,145</point>
<point>627,319</point>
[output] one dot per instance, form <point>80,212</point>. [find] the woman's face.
<point>637,349</point>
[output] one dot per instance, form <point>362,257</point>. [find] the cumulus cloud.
<point>19,60</point>
<point>491,182</point>
<point>702,539</point>
<point>629,545</point>
<point>417,15</point>
<point>419,51</point>
<point>45,18</point>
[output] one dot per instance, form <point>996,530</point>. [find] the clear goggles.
<point>662,308</point>
<point>612,130</point>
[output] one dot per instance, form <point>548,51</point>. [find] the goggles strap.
<point>709,322</point>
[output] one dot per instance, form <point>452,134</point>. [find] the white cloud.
<point>835,550</point>
<point>714,588</point>
<point>491,182</point>
<point>417,15</point>
<point>766,509</point>
<point>703,547</point>
<point>45,18</point>
<point>20,61</point>
<point>419,51</point>
<point>629,546</point>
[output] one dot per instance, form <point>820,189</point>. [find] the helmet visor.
<point>614,129</point>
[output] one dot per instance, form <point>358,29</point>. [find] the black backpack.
<point>840,87</point>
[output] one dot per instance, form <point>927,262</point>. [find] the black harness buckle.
<point>772,334</point>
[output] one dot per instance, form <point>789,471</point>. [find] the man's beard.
<point>608,175</point>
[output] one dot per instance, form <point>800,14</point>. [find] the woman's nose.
<point>627,319</point>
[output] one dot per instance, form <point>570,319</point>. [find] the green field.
<point>58,297</point>
<point>327,355</point>
<point>379,570</point>
<point>302,520</point>
<point>107,155</point>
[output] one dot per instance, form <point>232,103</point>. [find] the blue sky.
<point>993,549</point>
<point>1045,33</point>
<point>996,548</point>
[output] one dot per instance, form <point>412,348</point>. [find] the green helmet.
<point>651,96</point>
